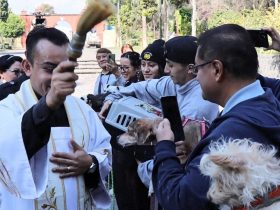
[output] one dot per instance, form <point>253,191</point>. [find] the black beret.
<point>181,49</point>
<point>7,60</point>
<point>155,52</point>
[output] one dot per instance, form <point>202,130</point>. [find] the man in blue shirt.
<point>226,68</point>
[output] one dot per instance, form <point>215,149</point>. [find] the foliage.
<point>246,18</point>
<point>4,10</point>
<point>178,3</point>
<point>45,9</point>
<point>13,27</point>
<point>148,7</point>
<point>183,19</point>
<point>112,20</point>
<point>272,18</point>
<point>130,21</point>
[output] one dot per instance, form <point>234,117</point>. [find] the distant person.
<point>10,67</point>
<point>109,75</point>
<point>126,48</point>
<point>153,60</point>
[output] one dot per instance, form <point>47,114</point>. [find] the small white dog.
<point>242,171</point>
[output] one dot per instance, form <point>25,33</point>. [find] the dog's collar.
<point>266,200</point>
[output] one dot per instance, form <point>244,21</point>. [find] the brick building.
<point>65,22</point>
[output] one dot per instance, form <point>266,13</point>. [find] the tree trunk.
<point>160,19</point>
<point>154,27</point>
<point>119,33</point>
<point>144,31</point>
<point>165,18</point>
<point>194,17</point>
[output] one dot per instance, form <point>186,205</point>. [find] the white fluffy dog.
<point>242,171</point>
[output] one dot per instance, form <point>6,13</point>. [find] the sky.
<point>60,6</point>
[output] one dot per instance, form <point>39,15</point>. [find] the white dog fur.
<point>240,170</point>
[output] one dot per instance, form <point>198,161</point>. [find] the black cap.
<point>181,49</point>
<point>155,52</point>
<point>7,60</point>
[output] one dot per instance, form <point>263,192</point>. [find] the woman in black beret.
<point>153,60</point>
<point>10,67</point>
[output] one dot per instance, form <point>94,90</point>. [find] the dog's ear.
<point>228,161</point>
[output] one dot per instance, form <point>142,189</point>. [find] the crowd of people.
<point>60,151</point>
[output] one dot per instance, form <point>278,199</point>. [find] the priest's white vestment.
<point>30,184</point>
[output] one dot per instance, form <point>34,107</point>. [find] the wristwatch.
<point>93,166</point>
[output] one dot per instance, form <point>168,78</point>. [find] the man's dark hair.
<point>232,45</point>
<point>53,35</point>
<point>103,50</point>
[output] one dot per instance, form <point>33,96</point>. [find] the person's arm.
<point>144,171</point>
<point>120,81</point>
<point>149,91</point>
<point>177,187</point>
<point>36,127</point>
<point>272,83</point>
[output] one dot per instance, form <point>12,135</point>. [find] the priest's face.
<point>46,57</point>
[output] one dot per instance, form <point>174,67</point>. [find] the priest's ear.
<point>27,67</point>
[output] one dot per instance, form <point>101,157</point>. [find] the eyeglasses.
<point>124,68</point>
<point>194,68</point>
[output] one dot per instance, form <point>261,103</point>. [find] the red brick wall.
<point>51,21</point>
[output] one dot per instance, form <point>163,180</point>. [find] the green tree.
<point>4,10</point>
<point>148,9</point>
<point>183,21</point>
<point>45,9</point>
<point>130,20</point>
<point>12,28</point>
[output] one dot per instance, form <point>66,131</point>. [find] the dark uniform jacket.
<point>178,187</point>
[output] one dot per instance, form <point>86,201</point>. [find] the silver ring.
<point>68,168</point>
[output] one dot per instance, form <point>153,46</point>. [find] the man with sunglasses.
<point>226,68</point>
